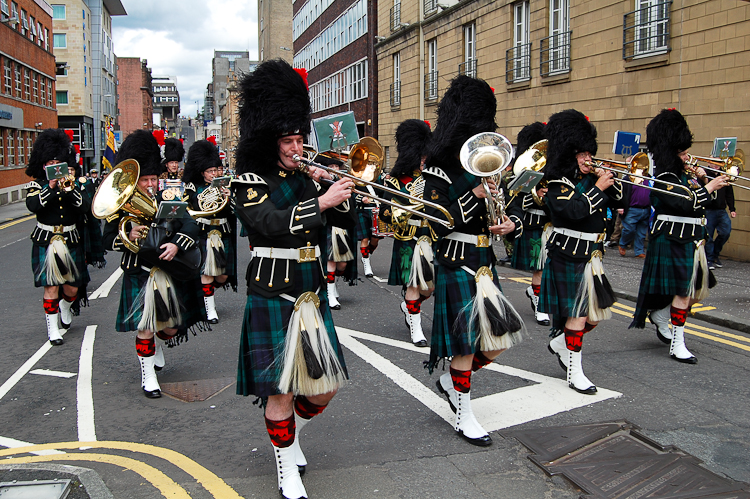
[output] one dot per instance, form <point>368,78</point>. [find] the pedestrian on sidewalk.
<point>635,217</point>
<point>717,220</point>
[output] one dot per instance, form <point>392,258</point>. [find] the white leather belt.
<point>57,229</point>
<point>584,236</point>
<point>418,223</point>
<point>302,255</point>
<point>683,220</point>
<point>212,221</point>
<point>535,211</point>
<point>480,240</point>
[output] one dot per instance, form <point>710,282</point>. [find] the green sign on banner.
<point>724,147</point>
<point>335,132</point>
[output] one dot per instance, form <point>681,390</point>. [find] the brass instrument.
<point>362,160</point>
<point>534,159</point>
<point>67,183</point>
<point>732,167</point>
<point>639,164</point>
<point>119,191</point>
<point>211,201</point>
<point>486,155</point>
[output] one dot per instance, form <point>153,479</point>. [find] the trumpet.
<point>486,155</point>
<point>635,168</point>
<point>733,167</point>
<point>362,172</point>
<point>67,183</point>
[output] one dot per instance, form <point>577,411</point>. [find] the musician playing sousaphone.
<point>152,302</point>
<point>289,355</point>
<point>411,259</point>
<point>675,274</point>
<point>213,210</point>
<point>473,322</point>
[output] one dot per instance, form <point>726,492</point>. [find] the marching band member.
<point>174,152</point>
<point>218,240</point>
<point>341,262</point>
<point>575,290</point>
<point>675,274</point>
<point>411,259</point>
<point>529,252</point>
<point>289,356</point>
<point>368,242</point>
<point>151,302</point>
<point>473,322</point>
<point>57,253</point>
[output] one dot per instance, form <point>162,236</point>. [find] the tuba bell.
<point>533,159</point>
<point>119,191</point>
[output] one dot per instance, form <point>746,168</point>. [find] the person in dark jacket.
<point>718,221</point>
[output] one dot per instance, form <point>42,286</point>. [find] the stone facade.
<point>275,30</point>
<point>702,72</point>
<point>134,94</point>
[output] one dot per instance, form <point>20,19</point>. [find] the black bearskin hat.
<point>202,155</point>
<point>528,136</point>
<point>467,108</point>
<point>52,144</point>
<point>668,134</point>
<point>412,140</point>
<point>568,133</point>
<point>173,150</point>
<point>274,102</point>
<point>141,146</point>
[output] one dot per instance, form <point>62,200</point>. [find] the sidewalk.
<point>13,211</point>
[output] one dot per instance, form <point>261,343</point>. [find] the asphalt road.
<point>385,435</point>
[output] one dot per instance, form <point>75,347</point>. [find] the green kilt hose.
<point>39,256</point>
<point>264,331</point>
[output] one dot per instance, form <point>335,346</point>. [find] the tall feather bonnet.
<point>202,155</point>
<point>528,136</point>
<point>52,144</point>
<point>141,146</point>
<point>274,102</point>
<point>668,134</point>
<point>173,150</point>
<point>568,133</point>
<point>412,139</point>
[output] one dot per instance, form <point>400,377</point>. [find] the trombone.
<point>639,164</point>
<point>733,167</point>
<point>365,165</point>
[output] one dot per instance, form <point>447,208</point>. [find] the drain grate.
<point>613,460</point>
<point>196,391</point>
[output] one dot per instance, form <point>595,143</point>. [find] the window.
<point>35,88</point>
<point>555,49</point>
<point>396,15</point>
<point>49,93</point>
<point>469,66</point>
<point>39,37</point>
<point>58,12</point>
<point>26,84</point>
<point>29,146</point>
<point>7,78</point>
<point>61,69</point>
<point>62,97</point>
<point>24,23</point>
<point>430,7</point>
<point>59,41</point>
<point>21,148</point>
<point>11,149</point>
<point>5,10</point>
<point>14,11</point>
<point>2,149</point>
<point>396,86</point>
<point>32,26</point>
<point>42,94</point>
<point>46,39</point>
<point>518,58</point>
<point>18,80</point>
<point>431,78</point>
<point>646,30</point>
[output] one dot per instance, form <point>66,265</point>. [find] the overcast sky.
<point>179,39</point>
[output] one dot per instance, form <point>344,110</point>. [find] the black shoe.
<point>152,395</point>
<point>56,343</point>
<point>718,263</point>
<point>711,266</point>
<point>689,360</point>
<point>481,441</point>
<point>63,325</point>
<point>588,391</point>
<point>213,321</point>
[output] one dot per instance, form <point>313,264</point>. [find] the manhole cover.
<point>613,460</point>
<point>196,391</point>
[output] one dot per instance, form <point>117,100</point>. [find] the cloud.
<point>179,39</point>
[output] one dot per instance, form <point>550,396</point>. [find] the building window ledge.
<point>652,61</point>
<point>554,79</point>
<point>519,85</point>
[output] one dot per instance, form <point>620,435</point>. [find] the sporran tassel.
<point>314,369</point>
<point>215,263</point>
<point>498,324</point>
<point>58,263</point>
<point>593,294</point>
<point>341,252</point>
<point>546,233</point>
<point>156,315</point>
<point>422,272</point>
<point>698,288</point>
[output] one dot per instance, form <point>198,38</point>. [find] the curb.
<point>89,478</point>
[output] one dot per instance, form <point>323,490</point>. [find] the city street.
<point>387,434</point>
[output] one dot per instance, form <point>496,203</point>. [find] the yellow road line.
<point>701,309</point>
<point>14,222</point>
<point>522,280</point>
<point>722,333</point>
<point>212,483</point>
<point>718,340</point>
<point>166,485</point>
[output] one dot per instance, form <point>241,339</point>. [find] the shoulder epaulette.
<point>564,180</point>
<point>394,182</point>
<point>32,185</point>
<point>250,178</point>
<point>190,187</point>
<point>113,216</point>
<point>437,172</point>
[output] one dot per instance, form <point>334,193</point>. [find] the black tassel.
<point>173,307</point>
<point>512,319</point>
<point>162,312</point>
<point>711,279</point>
<point>606,299</point>
<point>426,270</point>
<point>314,369</point>
<point>497,322</point>
<point>699,278</point>
<point>220,257</point>
<point>343,248</point>
<point>61,265</point>
<point>608,288</point>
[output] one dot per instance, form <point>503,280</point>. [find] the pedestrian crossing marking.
<point>47,372</point>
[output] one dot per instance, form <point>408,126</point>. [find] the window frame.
<point>60,93</point>
<point>431,77</point>
<point>470,49</point>
<point>64,11</point>
<point>55,39</point>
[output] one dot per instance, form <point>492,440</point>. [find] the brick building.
<point>617,61</point>
<point>27,86</point>
<point>334,41</point>
<point>134,94</point>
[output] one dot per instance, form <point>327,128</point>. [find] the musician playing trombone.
<point>473,322</point>
<point>289,355</point>
<point>676,273</point>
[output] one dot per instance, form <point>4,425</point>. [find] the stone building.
<point>224,63</point>
<point>618,61</point>
<point>275,30</point>
<point>27,88</point>
<point>134,94</point>
<point>166,101</point>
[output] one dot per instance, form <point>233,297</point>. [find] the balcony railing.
<point>431,85</point>
<point>468,68</point>
<point>430,7</point>
<point>554,54</point>
<point>646,31</point>
<point>395,94</point>
<point>518,63</point>
<point>396,17</point>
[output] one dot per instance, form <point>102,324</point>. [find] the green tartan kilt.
<point>38,258</point>
<point>454,293</point>
<point>189,293</point>
<point>401,259</point>
<point>264,332</point>
<point>230,249</point>
<point>363,229</point>
<point>522,258</point>
<point>560,283</point>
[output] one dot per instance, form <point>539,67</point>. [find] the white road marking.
<point>47,372</point>
<point>12,443</point>
<point>14,242</point>
<point>103,290</point>
<point>85,397</point>
<point>379,279</point>
<point>26,367</point>
<point>548,396</point>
